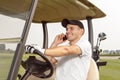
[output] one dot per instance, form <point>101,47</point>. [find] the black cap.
<point>73,22</point>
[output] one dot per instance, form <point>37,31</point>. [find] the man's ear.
<point>82,31</point>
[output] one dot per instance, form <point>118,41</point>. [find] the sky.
<point>109,24</point>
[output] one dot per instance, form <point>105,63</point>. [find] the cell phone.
<point>64,38</point>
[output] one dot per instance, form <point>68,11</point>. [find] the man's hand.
<point>58,40</point>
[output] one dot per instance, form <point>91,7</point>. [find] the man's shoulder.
<point>83,43</point>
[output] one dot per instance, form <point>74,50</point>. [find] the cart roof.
<point>52,10</point>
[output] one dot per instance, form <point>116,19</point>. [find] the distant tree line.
<point>2,46</point>
<point>3,49</point>
<point>111,52</point>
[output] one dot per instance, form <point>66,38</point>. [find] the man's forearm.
<point>57,51</point>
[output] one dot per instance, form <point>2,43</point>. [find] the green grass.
<point>111,71</point>
<point>5,63</point>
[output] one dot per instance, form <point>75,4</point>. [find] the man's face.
<point>73,32</point>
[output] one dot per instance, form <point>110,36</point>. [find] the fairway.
<point>5,63</point>
<point>109,72</point>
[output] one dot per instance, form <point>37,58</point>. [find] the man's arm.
<point>62,51</point>
<point>54,44</point>
<point>58,40</point>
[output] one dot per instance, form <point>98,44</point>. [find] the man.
<point>73,59</point>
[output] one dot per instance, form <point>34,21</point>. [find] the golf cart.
<point>17,17</point>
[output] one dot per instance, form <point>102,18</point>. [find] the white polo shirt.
<point>75,67</point>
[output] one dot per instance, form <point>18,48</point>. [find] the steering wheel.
<point>38,68</point>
